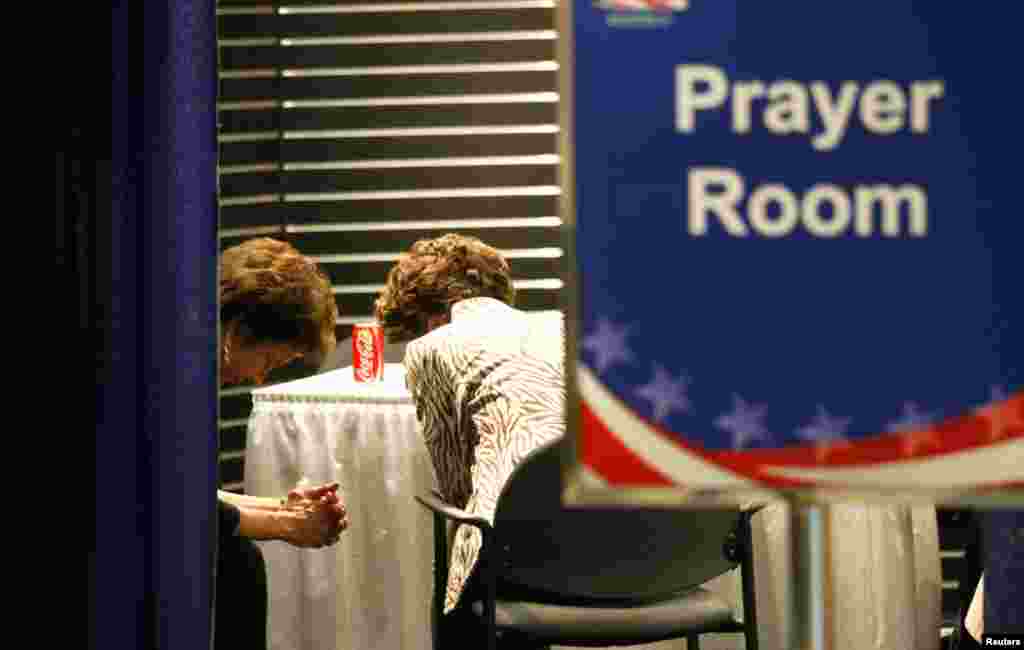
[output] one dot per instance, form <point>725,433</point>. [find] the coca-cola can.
<point>368,351</point>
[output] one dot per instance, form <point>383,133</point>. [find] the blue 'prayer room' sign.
<point>798,245</point>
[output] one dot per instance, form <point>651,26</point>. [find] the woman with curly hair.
<point>275,306</point>
<point>433,276</point>
<point>487,380</point>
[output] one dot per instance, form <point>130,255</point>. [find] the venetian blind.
<point>354,129</point>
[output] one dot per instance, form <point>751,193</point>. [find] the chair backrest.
<point>602,554</point>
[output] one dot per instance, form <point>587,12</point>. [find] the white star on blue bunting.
<point>607,345</point>
<point>997,394</point>
<point>916,424</point>
<point>825,430</point>
<point>665,393</point>
<point>912,419</point>
<point>995,416</point>
<point>745,422</point>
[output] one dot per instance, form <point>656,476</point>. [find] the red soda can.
<point>368,351</point>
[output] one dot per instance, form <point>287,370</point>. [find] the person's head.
<point>435,274</point>
<point>276,305</point>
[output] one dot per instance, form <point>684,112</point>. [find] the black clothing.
<point>241,614</point>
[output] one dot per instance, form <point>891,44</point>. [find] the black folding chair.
<point>596,577</point>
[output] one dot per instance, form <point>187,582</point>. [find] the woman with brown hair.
<point>276,306</point>
<point>487,380</point>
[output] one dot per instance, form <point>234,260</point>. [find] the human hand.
<point>300,497</point>
<point>316,517</point>
<point>315,526</point>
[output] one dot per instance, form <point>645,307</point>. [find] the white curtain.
<point>887,585</point>
<point>382,565</point>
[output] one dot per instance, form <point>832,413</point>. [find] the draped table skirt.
<point>372,590</point>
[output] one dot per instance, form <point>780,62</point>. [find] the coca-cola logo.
<point>364,350</point>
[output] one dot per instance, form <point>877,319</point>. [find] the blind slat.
<point>505,47</point>
<point>363,180</point>
<point>291,25</point>
<point>387,148</point>
<point>393,211</point>
<point>370,273</point>
<point>304,3</point>
<point>366,117</point>
<point>528,299</point>
<point>320,243</point>
<point>388,86</point>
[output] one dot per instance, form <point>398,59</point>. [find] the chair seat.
<point>697,610</point>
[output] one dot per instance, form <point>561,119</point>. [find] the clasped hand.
<point>317,514</point>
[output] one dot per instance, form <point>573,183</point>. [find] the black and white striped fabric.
<point>489,388</point>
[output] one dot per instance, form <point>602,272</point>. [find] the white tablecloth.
<point>372,590</point>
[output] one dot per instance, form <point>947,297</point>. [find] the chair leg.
<point>692,642</point>
<point>747,578</point>
<point>488,571</point>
